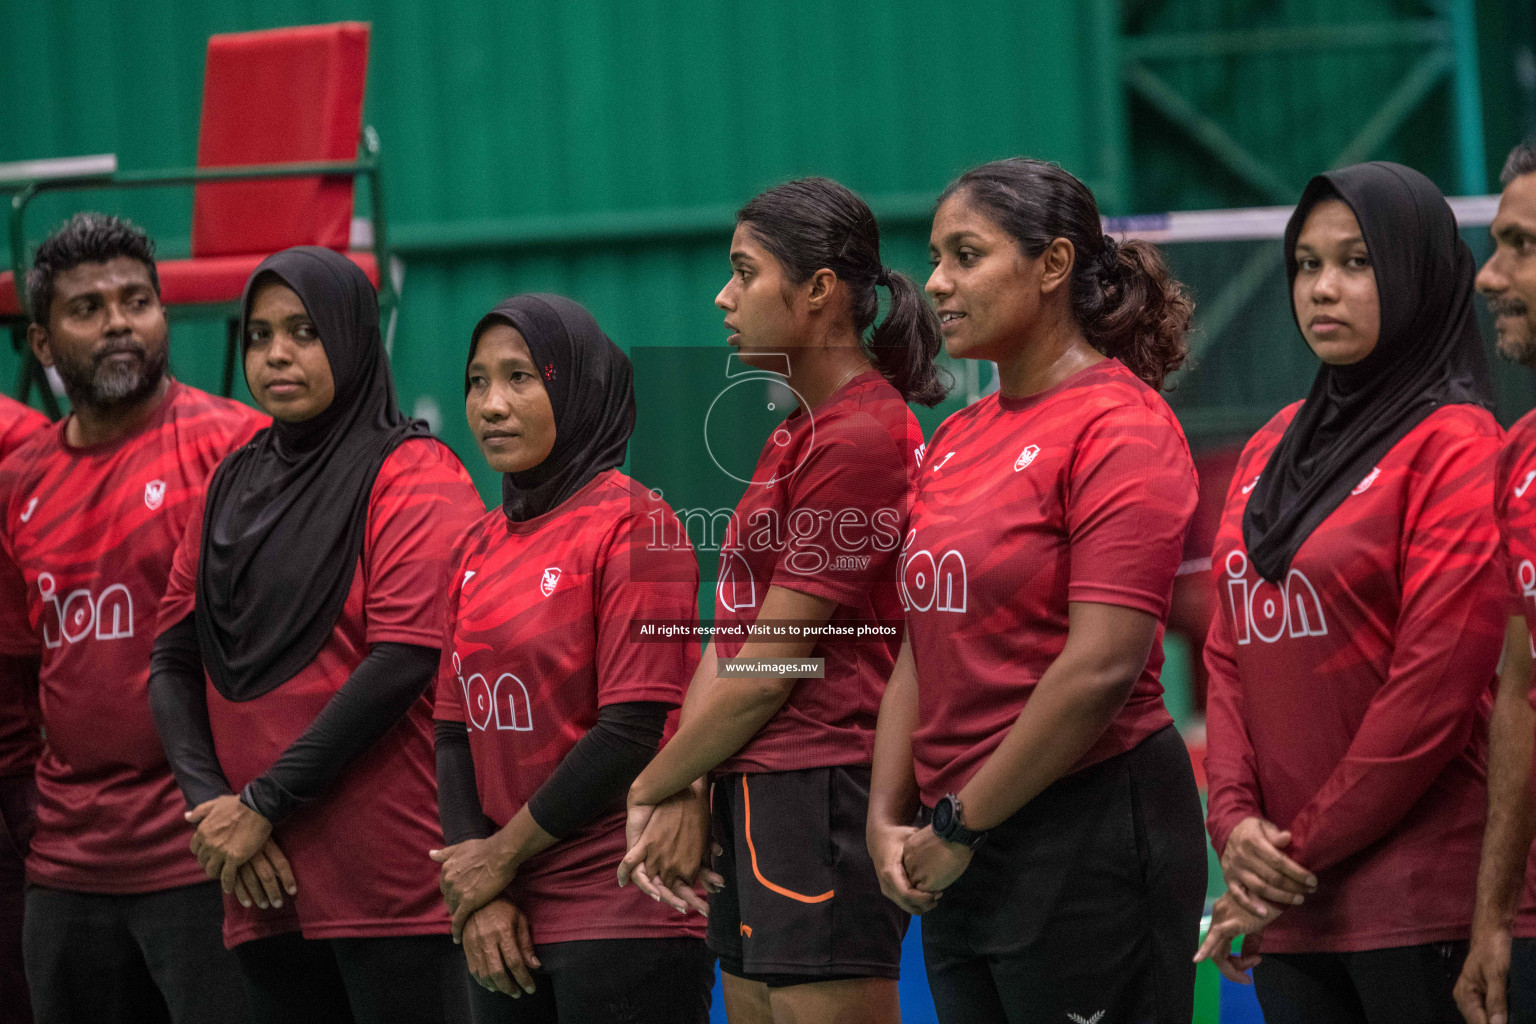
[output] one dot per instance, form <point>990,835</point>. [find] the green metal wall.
<point>592,148</point>
<point>598,147</point>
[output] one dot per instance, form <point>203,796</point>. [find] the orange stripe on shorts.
<point>746,797</point>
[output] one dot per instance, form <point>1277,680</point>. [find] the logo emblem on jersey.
<point>1077,1018</point>
<point>1026,457</point>
<point>1519,491</point>
<point>1251,484</point>
<point>946,458</point>
<point>551,577</point>
<point>1269,611</point>
<point>154,494</point>
<point>26,514</point>
<point>1370,478</point>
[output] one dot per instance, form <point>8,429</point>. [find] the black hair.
<point>85,238</point>
<point>1522,160</point>
<point>815,223</point>
<point>1123,296</point>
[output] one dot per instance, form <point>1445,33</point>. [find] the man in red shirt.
<point>1498,981</point>
<point>121,924</point>
<point>20,742</point>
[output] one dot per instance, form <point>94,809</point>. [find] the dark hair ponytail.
<point>815,223</point>
<point>1124,298</point>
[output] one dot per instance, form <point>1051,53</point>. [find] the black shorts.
<point>1085,905</point>
<point>801,902</point>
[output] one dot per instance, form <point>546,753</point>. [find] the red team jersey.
<point>21,739</point>
<point>359,853</point>
<point>93,531</point>
<point>1350,704</point>
<point>1515,505</point>
<point>824,516</point>
<point>538,637</point>
<point>1082,492</point>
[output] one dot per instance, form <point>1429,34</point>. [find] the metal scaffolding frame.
<point>1446,35</point>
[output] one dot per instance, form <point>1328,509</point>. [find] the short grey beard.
<point>106,388</point>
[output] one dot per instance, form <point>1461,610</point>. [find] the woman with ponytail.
<point>799,924</point>
<point>1030,795</point>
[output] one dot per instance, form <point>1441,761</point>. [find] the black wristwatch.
<point>947,823</point>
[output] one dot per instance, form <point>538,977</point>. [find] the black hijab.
<point>1429,354</point>
<point>286,514</point>
<point>591,389</point>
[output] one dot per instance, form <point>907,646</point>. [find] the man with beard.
<point>1498,980</point>
<point>121,923</point>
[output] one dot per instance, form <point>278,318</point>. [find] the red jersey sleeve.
<point>853,470</point>
<point>1131,496</point>
<point>17,638</point>
<point>639,581</point>
<point>447,702</point>
<point>1445,652</point>
<point>1231,768</point>
<point>180,598</point>
<point>422,500</point>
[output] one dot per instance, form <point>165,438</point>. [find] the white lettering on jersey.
<point>1370,478</point>
<point>919,451</point>
<point>1519,491</point>
<point>154,494</point>
<point>74,617</point>
<point>1527,575</point>
<point>26,514</point>
<point>469,574</point>
<point>1268,611</point>
<point>929,583</point>
<point>736,589</point>
<point>1026,457</point>
<point>550,579</point>
<point>506,703</point>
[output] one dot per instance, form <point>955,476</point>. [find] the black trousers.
<point>1085,905</point>
<point>608,981</point>
<point>1401,985</point>
<point>139,959</point>
<point>1521,989</point>
<point>18,815</point>
<point>392,979</point>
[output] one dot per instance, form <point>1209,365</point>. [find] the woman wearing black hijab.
<point>299,632</point>
<point>1352,660</point>
<point>549,700</point>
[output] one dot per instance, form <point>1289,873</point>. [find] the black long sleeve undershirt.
<point>590,780</point>
<point>378,693</point>
<point>180,708</point>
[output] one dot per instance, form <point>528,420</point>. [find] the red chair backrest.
<point>279,96</point>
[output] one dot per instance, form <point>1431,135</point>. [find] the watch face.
<point>943,816</point>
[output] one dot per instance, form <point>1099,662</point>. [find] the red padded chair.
<point>278,106</point>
